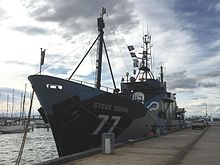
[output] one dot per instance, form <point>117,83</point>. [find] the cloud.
<point>185,36</point>
<point>210,74</point>
<point>198,104</point>
<point>22,64</point>
<point>8,92</point>
<point>79,16</point>
<point>2,13</point>
<point>173,43</point>
<point>217,7</point>
<point>181,80</point>
<point>199,21</point>
<point>208,84</point>
<point>31,30</point>
<point>201,16</point>
<point>217,110</point>
<point>58,70</point>
<point>16,62</point>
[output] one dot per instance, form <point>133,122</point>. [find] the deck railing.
<point>103,88</point>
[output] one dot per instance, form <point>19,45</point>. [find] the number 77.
<point>105,119</point>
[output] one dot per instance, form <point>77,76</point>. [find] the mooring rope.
<point>25,131</point>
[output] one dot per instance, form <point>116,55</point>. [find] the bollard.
<point>108,142</point>
<point>48,128</point>
<point>158,131</point>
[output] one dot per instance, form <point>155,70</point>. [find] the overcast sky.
<point>185,36</point>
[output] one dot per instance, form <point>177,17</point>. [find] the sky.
<point>185,36</point>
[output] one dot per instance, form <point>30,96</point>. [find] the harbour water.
<point>39,147</point>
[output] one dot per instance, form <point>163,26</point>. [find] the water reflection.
<point>39,147</point>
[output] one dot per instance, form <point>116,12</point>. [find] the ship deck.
<point>182,147</point>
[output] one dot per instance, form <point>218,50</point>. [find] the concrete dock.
<point>206,150</point>
<point>185,147</point>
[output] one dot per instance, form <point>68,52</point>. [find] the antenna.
<point>161,71</point>
<point>103,11</point>
<point>147,28</point>
<point>161,74</point>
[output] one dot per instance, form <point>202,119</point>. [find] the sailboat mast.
<point>21,104</point>
<point>13,101</point>
<point>1,104</point>
<point>7,106</point>
<point>101,26</point>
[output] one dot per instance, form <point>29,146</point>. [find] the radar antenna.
<point>145,61</point>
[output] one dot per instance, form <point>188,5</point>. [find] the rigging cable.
<point>87,42</point>
<point>93,70</point>
<point>62,57</point>
<point>113,28</point>
<point>83,57</point>
<point>109,65</point>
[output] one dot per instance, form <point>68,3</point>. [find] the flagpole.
<point>42,56</point>
<point>40,59</point>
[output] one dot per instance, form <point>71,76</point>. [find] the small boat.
<point>12,127</point>
<point>79,113</point>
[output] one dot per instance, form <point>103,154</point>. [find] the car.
<point>198,124</point>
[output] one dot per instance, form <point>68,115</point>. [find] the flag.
<point>135,62</point>
<point>132,54</point>
<point>42,56</point>
<point>134,71</point>
<point>131,47</point>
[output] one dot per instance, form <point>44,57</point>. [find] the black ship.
<point>79,114</point>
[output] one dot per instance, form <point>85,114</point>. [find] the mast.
<point>146,41</point>
<point>101,25</point>
<point>1,104</point>
<point>145,61</point>
<point>101,44</point>
<point>146,57</point>
<point>161,74</point>
<point>21,106</point>
<point>13,100</point>
<point>7,106</point>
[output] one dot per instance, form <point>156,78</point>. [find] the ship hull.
<point>79,114</point>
